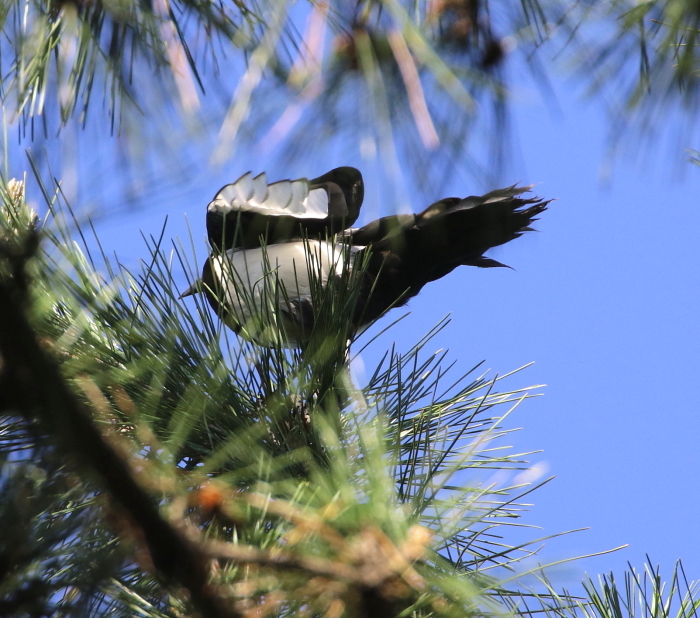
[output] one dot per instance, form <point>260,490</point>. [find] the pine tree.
<point>153,466</point>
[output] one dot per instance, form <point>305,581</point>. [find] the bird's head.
<point>195,288</point>
<point>200,286</point>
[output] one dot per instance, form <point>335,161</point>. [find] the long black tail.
<point>408,251</point>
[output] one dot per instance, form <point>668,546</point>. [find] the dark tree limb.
<point>36,388</point>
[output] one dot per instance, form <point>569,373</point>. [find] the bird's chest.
<point>265,289</point>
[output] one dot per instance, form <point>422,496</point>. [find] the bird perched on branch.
<point>277,246</point>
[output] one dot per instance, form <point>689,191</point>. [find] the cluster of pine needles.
<point>155,465</point>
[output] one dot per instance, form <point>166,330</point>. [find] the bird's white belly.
<point>250,281</point>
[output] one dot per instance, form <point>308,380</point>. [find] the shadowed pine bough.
<point>410,86</point>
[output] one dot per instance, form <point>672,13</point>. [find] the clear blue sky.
<point>605,299</point>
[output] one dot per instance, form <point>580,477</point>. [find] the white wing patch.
<point>286,197</point>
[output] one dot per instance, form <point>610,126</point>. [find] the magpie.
<point>271,242</point>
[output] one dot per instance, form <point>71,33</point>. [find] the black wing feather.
<point>235,220</point>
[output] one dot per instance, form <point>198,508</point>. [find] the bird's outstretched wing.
<point>251,210</point>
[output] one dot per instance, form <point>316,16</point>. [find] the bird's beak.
<point>195,288</point>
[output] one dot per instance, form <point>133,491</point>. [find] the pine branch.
<point>645,54</point>
<point>377,522</point>
<point>40,392</point>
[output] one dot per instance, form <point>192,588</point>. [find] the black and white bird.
<point>271,242</point>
